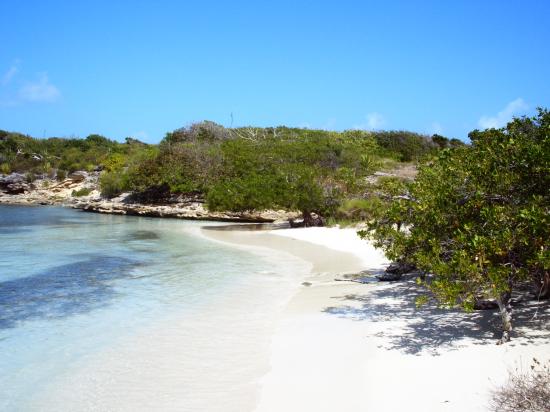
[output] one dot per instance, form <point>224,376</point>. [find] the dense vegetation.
<point>58,156</point>
<point>247,169</point>
<point>315,172</point>
<point>476,217</point>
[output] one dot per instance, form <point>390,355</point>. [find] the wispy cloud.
<point>375,121</point>
<point>15,93</point>
<point>10,73</point>
<point>436,128</point>
<point>330,124</point>
<point>41,90</point>
<point>514,108</point>
<point>140,135</point>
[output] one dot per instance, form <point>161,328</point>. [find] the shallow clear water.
<point>75,288</point>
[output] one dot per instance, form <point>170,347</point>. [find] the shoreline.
<point>208,355</point>
<point>326,345</point>
<point>194,211</point>
<point>67,193</point>
<point>366,347</point>
<point>321,257</point>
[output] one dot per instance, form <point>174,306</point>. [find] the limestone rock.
<point>78,176</point>
<point>14,184</point>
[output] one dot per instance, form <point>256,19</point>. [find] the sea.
<point>122,313</point>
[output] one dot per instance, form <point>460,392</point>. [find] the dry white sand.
<point>343,346</point>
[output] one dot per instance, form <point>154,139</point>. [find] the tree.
<point>407,146</point>
<point>268,173</point>
<point>294,169</point>
<point>441,141</point>
<point>477,217</point>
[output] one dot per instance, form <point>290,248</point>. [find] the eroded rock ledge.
<point>184,210</point>
<point>14,189</point>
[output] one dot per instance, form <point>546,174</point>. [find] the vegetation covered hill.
<point>239,169</point>
<point>56,157</point>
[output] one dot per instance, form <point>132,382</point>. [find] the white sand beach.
<point>305,342</point>
<point>345,346</point>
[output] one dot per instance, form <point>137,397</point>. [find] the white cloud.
<point>375,121</point>
<point>436,128</point>
<point>39,91</point>
<point>330,124</point>
<point>512,109</point>
<point>140,135</point>
<point>9,74</point>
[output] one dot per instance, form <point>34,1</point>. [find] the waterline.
<point>126,313</point>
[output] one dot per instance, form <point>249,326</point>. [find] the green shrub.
<point>112,184</point>
<point>369,163</point>
<point>85,191</point>
<point>30,177</point>
<point>114,162</point>
<point>5,168</point>
<point>359,209</point>
<point>476,217</point>
<point>404,146</point>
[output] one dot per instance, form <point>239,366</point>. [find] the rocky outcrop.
<point>181,208</point>
<point>307,220</point>
<point>15,190</point>
<point>14,184</point>
<point>405,172</point>
<point>78,176</point>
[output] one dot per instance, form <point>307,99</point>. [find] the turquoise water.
<point>73,285</point>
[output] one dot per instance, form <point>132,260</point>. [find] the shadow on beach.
<point>428,328</point>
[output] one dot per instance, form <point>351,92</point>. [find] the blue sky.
<point>141,69</point>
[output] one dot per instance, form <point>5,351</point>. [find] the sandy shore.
<point>297,339</point>
<point>344,346</point>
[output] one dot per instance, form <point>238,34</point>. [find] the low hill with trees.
<point>241,169</point>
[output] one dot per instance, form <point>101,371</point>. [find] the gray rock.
<point>14,184</point>
<point>395,271</point>
<point>12,178</point>
<point>78,176</point>
<point>389,277</point>
<point>400,268</point>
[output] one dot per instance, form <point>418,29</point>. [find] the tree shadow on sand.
<point>428,328</point>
